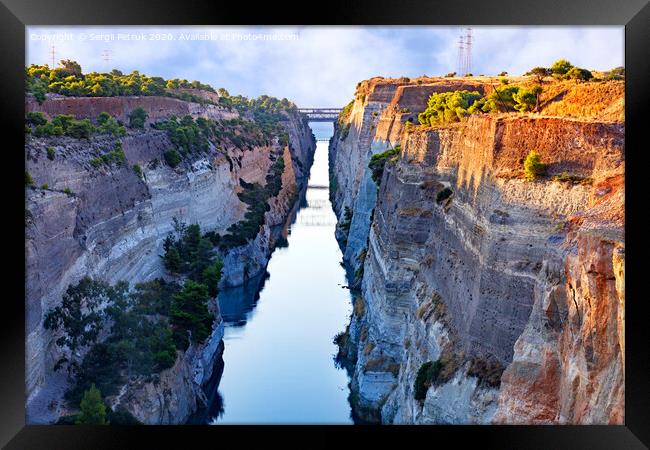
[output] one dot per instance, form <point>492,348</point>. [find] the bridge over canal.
<point>321,114</point>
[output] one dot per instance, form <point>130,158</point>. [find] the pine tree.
<point>189,311</point>
<point>93,409</point>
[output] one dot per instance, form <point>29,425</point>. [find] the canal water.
<point>278,362</point>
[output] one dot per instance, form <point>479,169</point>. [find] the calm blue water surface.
<point>279,355</point>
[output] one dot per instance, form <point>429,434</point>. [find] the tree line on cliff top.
<point>446,107</point>
<point>68,79</point>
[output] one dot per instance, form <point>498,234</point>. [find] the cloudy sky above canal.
<point>318,66</point>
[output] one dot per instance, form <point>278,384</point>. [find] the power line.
<point>53,53</point>
<point>464,63</point>
<point>468,51</point>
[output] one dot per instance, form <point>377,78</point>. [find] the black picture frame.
<point>16,14</point>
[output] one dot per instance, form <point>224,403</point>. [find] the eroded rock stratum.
<point>514,288</point>
<point>108,221</point>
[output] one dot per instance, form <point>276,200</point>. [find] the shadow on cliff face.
<point>215,406</point>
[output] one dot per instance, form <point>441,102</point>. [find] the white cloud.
<point>323,66</point>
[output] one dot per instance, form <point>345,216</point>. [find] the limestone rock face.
<point>176,393</point>
<point>112,223</point>
<point>516,287</point>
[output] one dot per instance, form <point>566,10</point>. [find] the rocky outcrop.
<point>109,222</point>
<point>515,288</point>
<point>176,393</point>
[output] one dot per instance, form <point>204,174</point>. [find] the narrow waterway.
<point>279,356</point>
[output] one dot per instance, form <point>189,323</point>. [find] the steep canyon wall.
<point>515,288</point>
<point>112,221</point>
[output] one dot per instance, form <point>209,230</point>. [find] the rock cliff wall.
<point>112,222</point>
<point>515,288</point>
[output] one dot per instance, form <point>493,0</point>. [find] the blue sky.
<point>318,66</point>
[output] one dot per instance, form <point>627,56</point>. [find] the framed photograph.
<point>393,220</point>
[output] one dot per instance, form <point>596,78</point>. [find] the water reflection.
<point>278,362</point>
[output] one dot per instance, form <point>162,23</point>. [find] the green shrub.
<point>561,67</point>
<point>256,197</point>
<point>426,376</point>
<point>115,156</point>
<point>79,129</point>
<point>539,73</point>
<point>617,73</point>
<point>106,124</point>
<point>93,409</point>
<point>499,100</point>
<point>138,170</point>
<point>137,118</point>
<point>378,162</point>
<point>347,219</point>
<point>48,129</point>
<point>533,166</point>
<point>189,312</point>
<point>526,99</point>
<point>344,115</point>
<point>578,74</point>
<point>67,191</point>
<point>172,158</point>
<point>35,118</point>
<point>447,107</point>
<point>45,186</point>
<point>50,153</point>
<point>212,275</point>
<point>345,131</point>
<point>29,181</point>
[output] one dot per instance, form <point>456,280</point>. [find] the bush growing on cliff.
<point>499,100</point>
<point>107,124</point>
<point>93,409</point>
<point>138,342</point>
<point>533,166</point>
<point>347,219</point>
<point>189,313</point>
<point>212,275</point>
<point>79,318</point>
<point>445,107</point>
<point>137,118</point>
<point>344,115</point>
<point>256,197</point>
<point>426,376</point>
<point>172,158</point>
<point>189,252</point>
<point>527,99</point>
<point>79,129</point>
<point>618,73</point>
<point>29,181</point>
<point>578,74</point>
<point>35,118</point>
<point>378,162</point>
<point>345,131</point>
<point>115,156</point>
